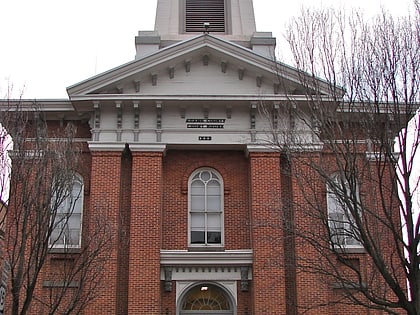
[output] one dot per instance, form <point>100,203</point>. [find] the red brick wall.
<point>233,167</point>
<point>169,300</point>
<point>316,292</point>
<point>244,300</point>
<point>51,267</point>
<point>253,218</point>
<point>178,166</point>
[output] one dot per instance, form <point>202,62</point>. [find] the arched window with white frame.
<point>205,205</point>
<point>206,298</point>
<point>67,217</point>
<point>341,202</point>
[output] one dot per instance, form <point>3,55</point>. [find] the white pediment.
<point>199,67</point>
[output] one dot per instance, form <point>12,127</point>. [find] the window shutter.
<point>198,12</point>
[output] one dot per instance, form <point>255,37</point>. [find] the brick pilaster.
<point>104,202</point>
<point>267,234</point>
<point>145,234</point>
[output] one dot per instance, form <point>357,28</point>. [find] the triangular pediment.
<point>202,66</point>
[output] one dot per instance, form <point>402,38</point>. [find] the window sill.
<point>60,284</point>
<point>61,250</point>
<point>204,248</point>
<point>348,286</point>
<point>350,250</point>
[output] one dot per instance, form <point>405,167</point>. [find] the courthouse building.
<point>177,149</point>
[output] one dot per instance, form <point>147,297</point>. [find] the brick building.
<point>176,147</point>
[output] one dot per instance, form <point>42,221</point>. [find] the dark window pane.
<point>197,237</point>
<point>214,237</point>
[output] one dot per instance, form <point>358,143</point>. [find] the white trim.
<point>37,105</point>
<point>196,273</point>
<point>374,156</point>
<point>184,97</point>
<point>119,146</point>
<point>262,148</point>
<point>57,139</point>
<point>304,147</point>
<point>241,257</point>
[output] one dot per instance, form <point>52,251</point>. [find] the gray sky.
<point>48,45</point>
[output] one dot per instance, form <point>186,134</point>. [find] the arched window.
<point>67,217</point>
<point>206,299</point>
<point>205,208</point>
<point>342,201</point>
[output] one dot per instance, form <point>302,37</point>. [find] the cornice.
<point>35,105</point>
<point>119,146</point>
<point>205,258</point>
<point>261,148</point>
<point>137,97</point>
<point>267,148</point>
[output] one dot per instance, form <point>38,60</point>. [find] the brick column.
<point>104,202</point>
<point>267,234</point>
<point>145,234</point>
<point>307,191</point>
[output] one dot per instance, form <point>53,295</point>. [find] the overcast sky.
<point>48,45</point>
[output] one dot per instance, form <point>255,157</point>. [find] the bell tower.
<point>179,20</point>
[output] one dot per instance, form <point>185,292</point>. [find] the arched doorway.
<point>206,298</point>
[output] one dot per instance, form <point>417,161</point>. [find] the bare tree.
<point>351,145</point>
<point>51,270</point>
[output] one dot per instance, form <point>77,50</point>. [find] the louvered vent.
<point>198,12</point>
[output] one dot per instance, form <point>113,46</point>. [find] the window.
<point>198,12</point>
<point>340,199</point>
<point>206,299</point>
<point>66,231</point>
<point>205,208</point>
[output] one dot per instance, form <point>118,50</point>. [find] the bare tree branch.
<point>45,162</point>
<point>352,146</point>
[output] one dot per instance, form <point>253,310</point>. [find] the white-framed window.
<point>341,202</point>
<point>205,206</point>
<point>67,224</point>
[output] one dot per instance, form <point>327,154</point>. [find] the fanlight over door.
<point>206,299</point>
